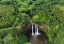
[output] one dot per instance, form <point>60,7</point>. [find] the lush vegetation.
<point>6,15</point>
<point>15,14</point>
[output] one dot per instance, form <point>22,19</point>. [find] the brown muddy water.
<point>42,38</point>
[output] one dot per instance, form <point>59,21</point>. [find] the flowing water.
<point>32,30</point>
<point>36,36</point>
<point>36,30</point>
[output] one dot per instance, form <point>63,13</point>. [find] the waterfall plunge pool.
<point>41,38</point>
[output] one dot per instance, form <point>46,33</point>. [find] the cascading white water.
<point>32,30</point>
<point>36,30</point>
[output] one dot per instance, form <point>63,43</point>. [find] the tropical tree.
<point>25,19</point>
<point>6,15</point>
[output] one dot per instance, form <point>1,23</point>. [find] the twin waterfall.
<point>36,30</point>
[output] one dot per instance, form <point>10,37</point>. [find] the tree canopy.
<point>15,16</point>
<point>6,17</point>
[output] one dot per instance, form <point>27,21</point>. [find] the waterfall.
<point>36,30</point>
<point>32,30</point>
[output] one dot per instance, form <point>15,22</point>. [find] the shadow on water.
<point>42,38</point>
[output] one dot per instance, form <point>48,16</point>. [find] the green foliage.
<point>22,38</point>
<point>22,9</point>
<point>61,2</point>
<point>16,22</point>
<point>36,19</point>
<point>25,19</point>
<point>58,13</point>
<point>59,39</point>
<point>25,5</point>
<point>39,2</point>
<point>41,18</point>
<point>7,38</point>
<point>55,33</point>
<point>6,17</point>
<point>47,12</point>
<point>8,35</point>
<point>7,1</point>
<point>31,7</point>
<point>13,42</point>
<point>28,43</point>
